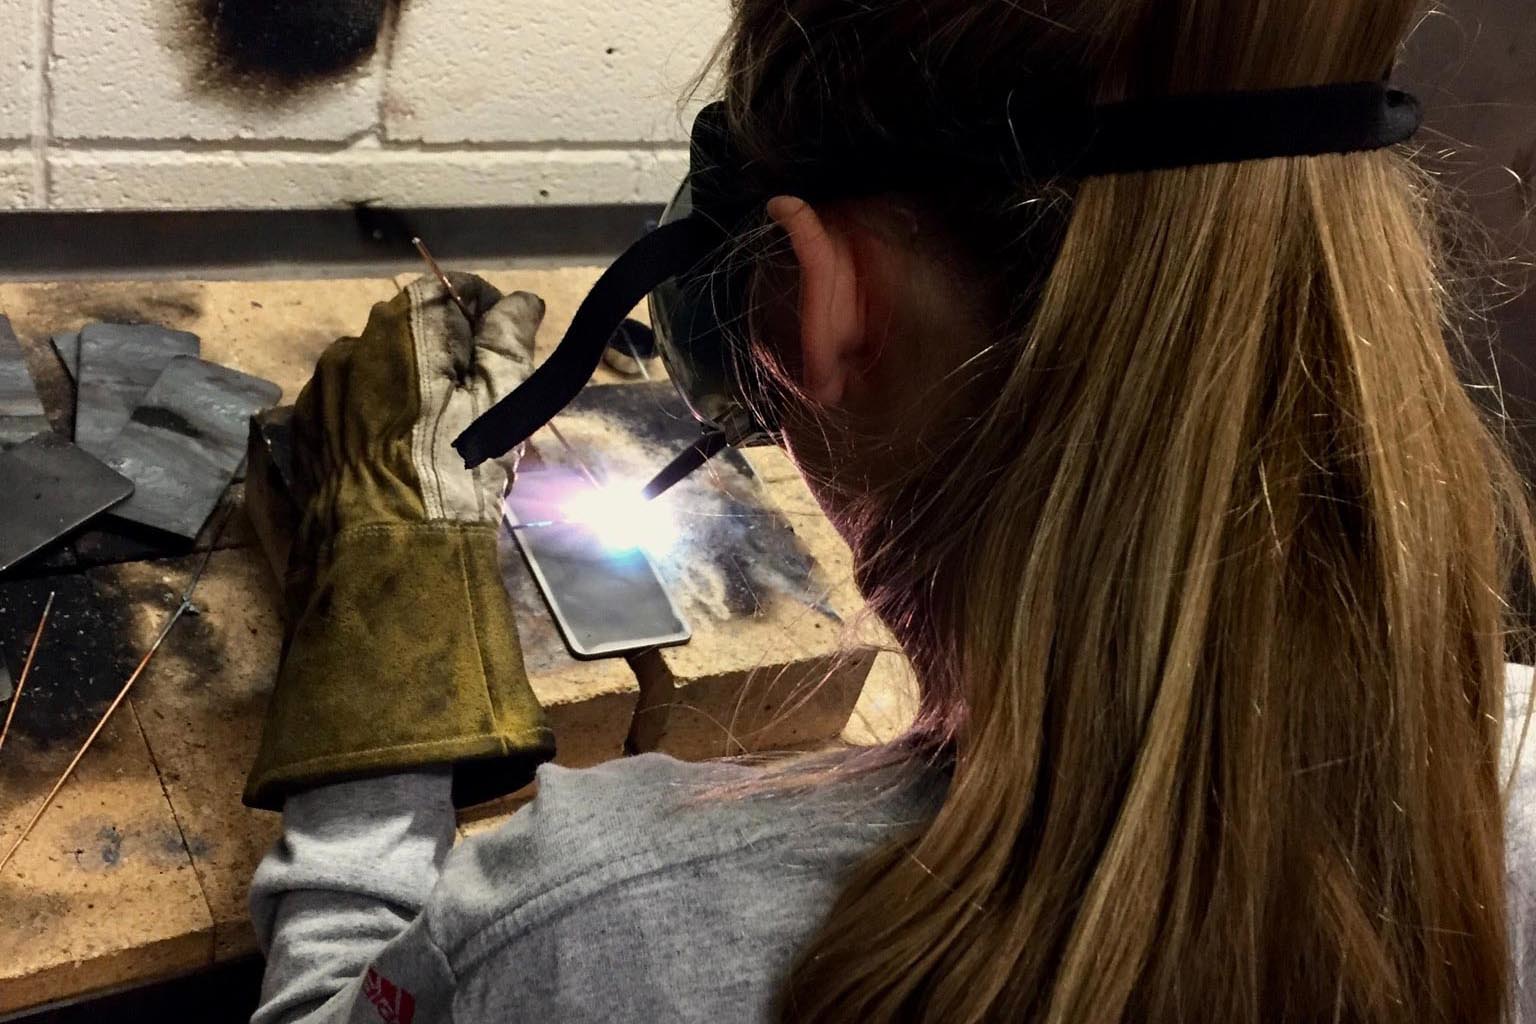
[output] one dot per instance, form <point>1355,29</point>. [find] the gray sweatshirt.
<point>622,892</point>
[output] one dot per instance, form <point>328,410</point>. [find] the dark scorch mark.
<point>292,41</point>
<point>161,418</point>
<point>111,846</point>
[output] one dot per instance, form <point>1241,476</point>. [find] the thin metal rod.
<point>186,604</point>
<point>453,293</point>
<point>537,524</point>
<point>630,344</point>
<point>202,567</point>
<point>581,463</point>
<point>695,455</point>
<point>26,669</point>
<point>123,693</point>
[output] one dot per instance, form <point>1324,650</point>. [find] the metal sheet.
<point>21,410</point>
<point>118,364</point>
<point>182,445</point>
<point>51,487</point>
<point>606,602</point>
<point>736,553</point>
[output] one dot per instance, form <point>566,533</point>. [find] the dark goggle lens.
<point>700,333</point>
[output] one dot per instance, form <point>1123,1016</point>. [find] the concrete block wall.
<point>124,105</point>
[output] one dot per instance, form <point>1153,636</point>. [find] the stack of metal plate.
<point>21,411</point>
<point>159,435</point>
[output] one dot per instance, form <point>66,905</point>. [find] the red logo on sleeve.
<point>393,1004</point>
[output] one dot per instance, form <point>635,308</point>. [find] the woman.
<point>1165,483</point>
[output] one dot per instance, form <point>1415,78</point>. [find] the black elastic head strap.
<point>1035,138</point>
<point>1026,143</point>
<point>1229,128</point>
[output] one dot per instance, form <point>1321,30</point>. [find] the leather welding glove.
<point>401,650</point>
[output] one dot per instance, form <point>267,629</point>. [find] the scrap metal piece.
<point>273,432</point>
<point>269,502</point>
<point>66,345</point>
<point>51,487</point>
<point>118,364</point>
<point>21,410</point>
<point>182,445</point>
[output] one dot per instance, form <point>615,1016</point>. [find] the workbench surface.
<point>139,870</point>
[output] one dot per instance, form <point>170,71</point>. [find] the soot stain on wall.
<point>266,53</point>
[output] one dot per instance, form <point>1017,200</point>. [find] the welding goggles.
<point>698,289</point>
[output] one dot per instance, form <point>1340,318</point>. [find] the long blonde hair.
<point>1206,590</point>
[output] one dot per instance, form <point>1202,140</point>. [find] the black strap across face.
<point>1047,141</point>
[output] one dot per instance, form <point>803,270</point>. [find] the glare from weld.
<point>621,519</point>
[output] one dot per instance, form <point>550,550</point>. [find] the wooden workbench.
<point>139,870</point>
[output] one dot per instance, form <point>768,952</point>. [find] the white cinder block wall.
<point>116,105</point>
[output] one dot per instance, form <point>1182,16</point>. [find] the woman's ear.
<point>832,328</point>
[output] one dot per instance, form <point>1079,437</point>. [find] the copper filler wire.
<point>26,669</point>
<point>181,609</point>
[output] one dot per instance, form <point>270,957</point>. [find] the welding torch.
<point>710,444</point>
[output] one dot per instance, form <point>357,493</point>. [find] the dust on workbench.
<point>82,659</point>
<point>96,634</point>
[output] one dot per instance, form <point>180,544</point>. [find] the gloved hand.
<point>401,650</point>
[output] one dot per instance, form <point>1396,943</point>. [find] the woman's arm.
<point>350,874</point>
<point>400,658</point>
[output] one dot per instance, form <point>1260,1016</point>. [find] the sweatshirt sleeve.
<point>1519,768</point>
<point>335,903</point>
